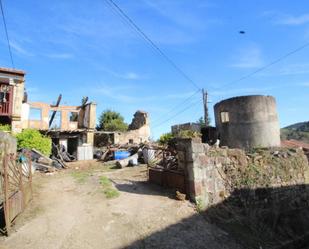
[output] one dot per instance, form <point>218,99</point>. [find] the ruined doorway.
<point>72,146</point>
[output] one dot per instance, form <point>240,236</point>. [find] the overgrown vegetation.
<point>268,202</point>
<point>5,127</point>
<point>264,167</point>
<point>111,121</point>
<point>165,138</point>
<point>111,193</point>
<point>108,189</point>
<point>188,134</point>
<point>33,139</point>
<point>168,138</point>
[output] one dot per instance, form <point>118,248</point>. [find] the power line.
<point>178,113</point>
<point>6,33</point>
<point>268,65</point>
<point>175,107</point>
<point>153,45</point>
<point>116,9</point>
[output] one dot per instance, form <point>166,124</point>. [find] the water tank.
<point>247,122</point>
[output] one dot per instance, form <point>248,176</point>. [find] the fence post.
<point>6,193</point>
<point>21,185</point>
<point>30,174</point>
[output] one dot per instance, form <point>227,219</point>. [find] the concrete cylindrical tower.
<point>248,122</point>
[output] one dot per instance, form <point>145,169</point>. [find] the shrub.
<point>33,139</point>
<point>5,127</point>
<point>188,134</point>
<point>166,138</point>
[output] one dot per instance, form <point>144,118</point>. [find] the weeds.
<point>111,193</point>
<point>105,182</point>
<point>108,189</point>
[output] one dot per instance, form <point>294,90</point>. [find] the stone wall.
<point>137,136</point>
<point>187,126</point>
<point>260,197</point>
<point>212,174</point>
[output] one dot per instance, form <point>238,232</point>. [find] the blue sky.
<point>83,48</point>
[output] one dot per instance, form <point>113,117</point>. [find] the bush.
<point>33,139</point>
<point>188,134</point>
<point>166,138</point>
<point>5,127</point>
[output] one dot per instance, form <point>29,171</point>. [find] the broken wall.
<point>137,136</point>
<point>187,126</point>
<point>213,173</point>
<point>139,130</point>
<point>42,122</point>
<point>86,116</point>
<point>261,197</point>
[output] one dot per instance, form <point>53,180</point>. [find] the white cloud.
<point>287,19</point>
<point>291,69</point>
<point>293,20</point>
<point>126,76</point>
<point>248,58</point>
<point>19,49</point>
<point>121,93</point>
<point>131,76</point>
<point>128,94</point>
<point>60,56</point>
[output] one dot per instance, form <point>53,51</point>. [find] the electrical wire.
<point>153,45</point>
<point>178,113</point>
<point>6,33</point>
<point>267,65</point>
<point>175,107</point>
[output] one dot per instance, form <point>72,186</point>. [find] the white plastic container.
<point>149,155</point>
<point>85,152</point>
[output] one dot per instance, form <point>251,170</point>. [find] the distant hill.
<point>298,131</point>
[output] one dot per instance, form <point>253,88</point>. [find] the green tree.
<point>201,121</point>
<point>33,139</point>
<point>111,121</point>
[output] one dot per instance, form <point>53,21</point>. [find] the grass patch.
<point>105,182</point>
<point>80,176</point>
<point>108,189</point>
<point>111,193</point>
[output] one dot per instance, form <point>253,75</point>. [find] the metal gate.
<point>16,183</point>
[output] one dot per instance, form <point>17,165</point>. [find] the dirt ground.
<point>70,210</point>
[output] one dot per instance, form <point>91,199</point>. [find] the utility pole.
<point>205,102</point>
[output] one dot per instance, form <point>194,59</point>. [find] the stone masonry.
<point>212,174</point>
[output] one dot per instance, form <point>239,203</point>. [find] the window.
<point>35,114</point>
<point>56,124</point>
<point>225,117</point>
<point>73,116</point>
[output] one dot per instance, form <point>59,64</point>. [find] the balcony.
<point>6,99</point>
